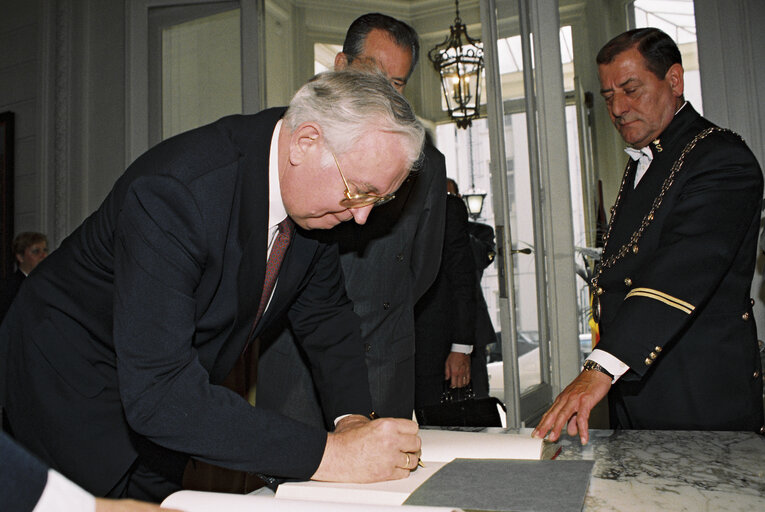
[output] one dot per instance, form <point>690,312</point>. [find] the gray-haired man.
<point>119,341</point>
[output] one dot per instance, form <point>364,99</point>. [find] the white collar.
<point>637,154</point>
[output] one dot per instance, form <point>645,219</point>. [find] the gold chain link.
<point>647,218</point>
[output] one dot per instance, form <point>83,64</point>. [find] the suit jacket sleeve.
<point>160,253</point>
<point>430,228</point>
<point>22,476</point>
<point>458,267</point>
<point>699,241</point>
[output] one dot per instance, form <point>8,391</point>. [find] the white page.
<point>196,501</point>
<point>391,492</point>
<point>447,445</point>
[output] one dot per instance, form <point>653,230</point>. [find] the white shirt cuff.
<point>462,349</point>
<point>62,494</point>
<point>614,366</point>
<point>337,420</point>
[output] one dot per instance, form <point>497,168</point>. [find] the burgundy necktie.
<point>286,228</point>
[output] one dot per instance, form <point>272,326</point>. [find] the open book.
<point>439,447</point>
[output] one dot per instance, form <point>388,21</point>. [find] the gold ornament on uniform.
<point>632,244</point>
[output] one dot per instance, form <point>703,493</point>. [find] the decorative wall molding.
<point>62,115</point>
<point>54,129</point>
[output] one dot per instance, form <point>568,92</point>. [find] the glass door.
<point>535,173</point>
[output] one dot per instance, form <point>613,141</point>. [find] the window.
<point>676,18</point>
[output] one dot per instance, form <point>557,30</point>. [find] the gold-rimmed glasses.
<point>360,200</point>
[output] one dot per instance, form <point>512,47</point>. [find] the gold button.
<point>635,249</point>
<point>648,362</point>
<point>756,374</point>
<point>599,291</point>
<point>762,429</point>
<point>628,281</point>
<point>657,349</point>
<point>751,301</point>
<point>745,316</point>
<point>652,355</point>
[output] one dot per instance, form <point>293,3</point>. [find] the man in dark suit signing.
<point>678,347</point>
<point>388,263</point>
<point>119,341</point>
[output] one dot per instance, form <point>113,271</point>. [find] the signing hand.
<point>369,451</point>
<point>457,369</point>
<point>573,405</point>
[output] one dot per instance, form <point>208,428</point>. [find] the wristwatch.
<point>592,365</point>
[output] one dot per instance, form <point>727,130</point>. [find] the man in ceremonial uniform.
<point>678,346</point>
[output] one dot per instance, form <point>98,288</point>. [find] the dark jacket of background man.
<point>388,263</point>
<point>446,313</point>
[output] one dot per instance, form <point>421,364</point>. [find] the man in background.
<point>388,263</point>
<point>445,316</point>
<point>678,346</point>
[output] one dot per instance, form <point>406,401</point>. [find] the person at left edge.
<point>29,249</point>
<point>119,340</point>
<point>27,485</point>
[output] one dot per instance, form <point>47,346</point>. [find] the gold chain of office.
<point>631,246</point>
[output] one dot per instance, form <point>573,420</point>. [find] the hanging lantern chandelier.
<point>460,65</point>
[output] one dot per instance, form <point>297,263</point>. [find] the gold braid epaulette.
<point>668,182</point>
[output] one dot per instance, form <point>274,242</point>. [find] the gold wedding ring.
<point>406,466</point>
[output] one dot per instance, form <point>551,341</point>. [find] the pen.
<point>373,416</point>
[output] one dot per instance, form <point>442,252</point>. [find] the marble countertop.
<point>672,470</point>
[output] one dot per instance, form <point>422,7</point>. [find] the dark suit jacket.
<point>446,313</point>
<point>388,263</point>
<point>22,476</point>
<point>676,307</point>
<point>8,290</point>
<point>484,250</point>
<point>129,327</point>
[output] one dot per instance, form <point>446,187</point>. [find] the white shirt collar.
<point>637,154</point>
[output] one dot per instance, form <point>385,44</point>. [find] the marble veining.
<point>672,470</point>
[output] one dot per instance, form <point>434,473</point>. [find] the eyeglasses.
<point>360,200</point>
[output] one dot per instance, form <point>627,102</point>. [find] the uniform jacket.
<point>123,334</point>
<point>675,307</point>
<point>388,263</point>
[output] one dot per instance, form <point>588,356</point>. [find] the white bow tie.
<point>637,154</point>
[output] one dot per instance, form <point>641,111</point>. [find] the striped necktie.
<point>286,229</point>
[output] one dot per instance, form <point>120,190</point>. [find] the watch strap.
<point>593,366</point>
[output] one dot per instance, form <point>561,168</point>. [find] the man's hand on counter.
<point>573,406</point>
<point>360,450</point>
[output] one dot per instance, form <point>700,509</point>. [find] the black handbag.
<point>459,407</point>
